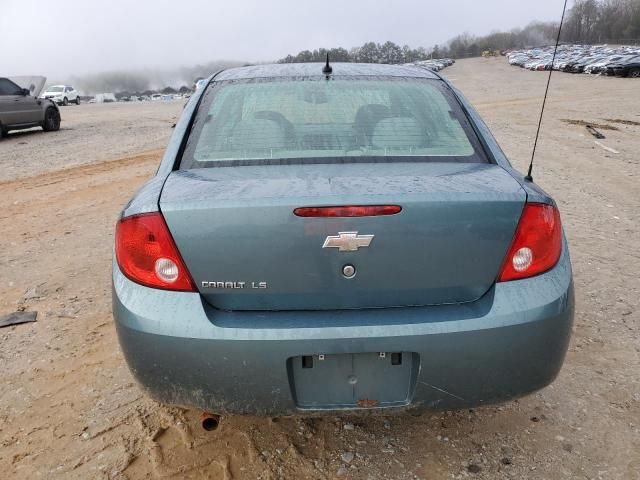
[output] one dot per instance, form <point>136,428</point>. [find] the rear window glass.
<point>314,120</point>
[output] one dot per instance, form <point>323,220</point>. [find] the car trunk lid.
<point>246,249</point>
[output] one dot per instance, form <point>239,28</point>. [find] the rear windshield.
<point>315,120</point>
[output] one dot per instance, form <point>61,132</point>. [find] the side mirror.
<point>25,92</point>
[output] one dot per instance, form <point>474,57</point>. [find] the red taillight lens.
<point>537,244</point>
<point>147,254</point>
<point>348,211</point>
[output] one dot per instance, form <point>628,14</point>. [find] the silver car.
<point>21,108</point>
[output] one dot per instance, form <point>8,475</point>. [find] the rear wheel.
<point>3,131</point>
<point>78,100</point>
<point>634,73</point>
<point>51,120</point>
<point>65,102</point>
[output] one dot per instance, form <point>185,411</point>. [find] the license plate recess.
<point>353,380</point>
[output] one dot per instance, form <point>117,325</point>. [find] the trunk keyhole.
<point>349,271</point>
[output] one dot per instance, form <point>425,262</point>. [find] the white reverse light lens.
<point>521,259</point>
<point>166,270</point>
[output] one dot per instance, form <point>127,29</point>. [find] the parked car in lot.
<point>20,107</point>
<point>580,66</point>
<point>590,59</point>
<point>351,240</point>
<point>62,94</point>
<point>435,64</point>
<point>608,69</point>
<point>598,66</point>
<point>627,68</point>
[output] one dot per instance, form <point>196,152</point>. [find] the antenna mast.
<point>327,68</point>
<point>544,101</point>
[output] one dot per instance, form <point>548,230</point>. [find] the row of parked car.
<point>435,64</point>
<point>155,97</point>
<point>623,61</point>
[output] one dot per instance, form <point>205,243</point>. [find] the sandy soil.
<point>89,133</point>
<point>69,408</point>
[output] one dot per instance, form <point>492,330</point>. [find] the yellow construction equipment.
<point>491,53</point>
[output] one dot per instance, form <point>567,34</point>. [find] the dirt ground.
<point>90,133</point>
<point>69,407</point>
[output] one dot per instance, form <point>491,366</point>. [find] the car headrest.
<point>397,132</point>
<point>257,134</point>
<point>366,118</point>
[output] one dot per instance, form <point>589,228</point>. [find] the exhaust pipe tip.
<point>210,421</point>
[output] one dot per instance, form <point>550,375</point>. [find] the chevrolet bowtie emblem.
<point>348,241</point>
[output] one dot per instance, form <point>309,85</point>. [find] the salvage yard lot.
<point>69,407</point>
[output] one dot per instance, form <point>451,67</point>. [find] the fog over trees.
<point>146,81</point>
<point>587,21</point>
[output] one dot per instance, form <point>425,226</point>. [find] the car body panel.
<point>293,70</point>
<point>25,110</point>
<point>508,342</point>
<point>220,215</point>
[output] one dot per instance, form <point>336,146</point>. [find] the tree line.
<point>595,21</point>
<point>370,52</point>
<point>587,21</point>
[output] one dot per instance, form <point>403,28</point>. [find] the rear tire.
<point>51,120</point>
<point>3,132</point>
<point>65,102</point>
<point>78,100</point>
<point>634,73</point>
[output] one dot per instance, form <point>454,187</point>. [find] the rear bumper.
<point>509,343</point>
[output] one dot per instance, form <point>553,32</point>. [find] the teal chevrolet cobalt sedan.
<point>339,238</point>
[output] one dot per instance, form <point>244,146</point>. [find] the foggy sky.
<point>60,38</point>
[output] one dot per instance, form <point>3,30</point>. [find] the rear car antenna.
<point>327,68</point>
<point>529,177</point>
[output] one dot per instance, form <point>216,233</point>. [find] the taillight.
<point>348,211</point>
<point>537,244</point>
<point>147,254</point>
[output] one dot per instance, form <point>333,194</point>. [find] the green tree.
<point>390,53</point>
<point>369,53</point>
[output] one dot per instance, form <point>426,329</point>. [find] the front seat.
<point>367,117</point>
<point>257,134</point>
<point>398,133</point>
<point>281,120</point>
